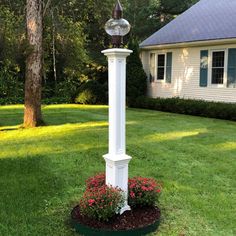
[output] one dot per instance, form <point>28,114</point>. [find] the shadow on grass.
<point>40,190</point>
<point>10,129</point>
<point>55,114</point>
<point>37,192</point>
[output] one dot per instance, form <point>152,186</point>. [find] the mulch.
<point>134,219</point>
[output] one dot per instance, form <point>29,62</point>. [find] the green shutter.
<point>204,68</point>
<point>168,67</point>
<point>231,81</point>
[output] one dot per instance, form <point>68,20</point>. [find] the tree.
<point>73,37</point>
<point>136,76</point>
<point>33,87</point>
<point>11,56</point>
<point>140,15</point>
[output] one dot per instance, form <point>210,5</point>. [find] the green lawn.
<point>42,170</point>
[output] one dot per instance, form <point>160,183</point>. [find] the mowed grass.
<point>42,170</point>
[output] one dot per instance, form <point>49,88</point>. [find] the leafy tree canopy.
<point>73,37</point>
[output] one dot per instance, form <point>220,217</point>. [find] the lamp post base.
<point>117,174</point>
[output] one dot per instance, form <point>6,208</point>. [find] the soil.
<point>134,219</point>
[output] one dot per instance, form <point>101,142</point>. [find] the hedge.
<point>219,110</point>
<point>92,92</point>
<point>46,101</point>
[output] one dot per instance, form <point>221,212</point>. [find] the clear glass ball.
<point>117,27</point>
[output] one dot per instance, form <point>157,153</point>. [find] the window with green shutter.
<point>231,80</point>
<point>168,67</point>
<point>152,67</point>
<point>204,68</point>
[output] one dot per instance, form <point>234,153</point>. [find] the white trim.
<point>213,42</point>
<point>149,69</point>
<point>156,53</point>
<point>210,84</point>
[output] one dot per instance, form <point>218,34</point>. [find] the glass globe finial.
<point>117,27</point>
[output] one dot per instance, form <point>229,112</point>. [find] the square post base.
<point>117,174</point>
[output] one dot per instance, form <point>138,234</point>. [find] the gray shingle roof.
<point>206,20</point>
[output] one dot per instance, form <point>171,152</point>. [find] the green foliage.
<point>101,203</point>
<point>70,56</point>
<point>11,57</point>
<point>217,110</point>
<point>73,38</point>
<point>11,100</point>
<point>176,7</point>
<point>142,16</point>
<point>136,76</point>
<point>10,85</point>
<point>91,92</point>
<point>56,100</point>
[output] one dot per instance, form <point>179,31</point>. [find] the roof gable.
<point>206,20</point>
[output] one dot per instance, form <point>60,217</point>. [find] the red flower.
<point>101,202</point>
<point>91,201</point>
<point>143,191</point>
<point>132,194</point>
<point>96,181</point>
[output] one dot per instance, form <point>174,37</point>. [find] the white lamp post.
<point>116,160</point>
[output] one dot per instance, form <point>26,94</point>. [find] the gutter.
<point>190,44</point>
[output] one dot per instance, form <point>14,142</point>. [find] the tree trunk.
<point>33,82</point>
<point>54,49</point>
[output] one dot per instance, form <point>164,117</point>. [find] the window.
<point>152,67</point>
<point>218,67</point>
<point>161,67</point>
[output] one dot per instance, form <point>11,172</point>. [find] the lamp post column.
<point>116,160</point>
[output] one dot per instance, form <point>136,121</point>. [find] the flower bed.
<point>98,209</point>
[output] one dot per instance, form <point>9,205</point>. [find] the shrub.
<point>11,100</point>
<point>143,192</point>
<point>96,181</point>
<point>101,203</point>
<point>217,110</point>
<point>91,92</point>
<point>56,100</point>
<point>136,76</point>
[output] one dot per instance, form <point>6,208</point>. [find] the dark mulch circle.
<point>134,219</point>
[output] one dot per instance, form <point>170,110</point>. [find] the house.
<point>194,56</point>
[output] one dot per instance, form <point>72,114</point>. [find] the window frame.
<point>163,67</point>
<point>156,66</point>
<point>224,85</point>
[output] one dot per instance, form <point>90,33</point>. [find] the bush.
<point>143,192</point>
<point>56,100</point>
<point>11,100</point>
<point>217,110</point>
<point>136,76</point>
<point>96,181</point>
<point>46,101</point>
<point>91,92</point>
<point>101,203</point>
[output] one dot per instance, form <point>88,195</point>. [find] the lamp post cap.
<point>118,11</point>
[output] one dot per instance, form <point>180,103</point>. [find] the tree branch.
<point>46,7</point>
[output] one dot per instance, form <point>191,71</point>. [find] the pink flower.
<point>132,194</point>
<point>91,201</point>
<point>144,188</point>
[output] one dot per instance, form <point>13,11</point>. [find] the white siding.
<point>186,76</point>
